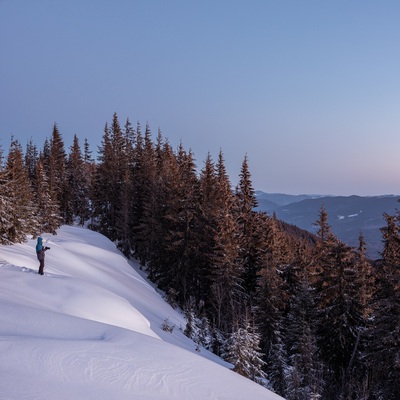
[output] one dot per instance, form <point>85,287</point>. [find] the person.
<point>40,250</point>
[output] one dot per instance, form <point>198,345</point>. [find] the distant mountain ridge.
<point>347,215</point>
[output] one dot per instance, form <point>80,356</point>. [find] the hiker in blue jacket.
<point>40,250</point>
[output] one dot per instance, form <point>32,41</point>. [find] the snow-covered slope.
<point>91,329</point>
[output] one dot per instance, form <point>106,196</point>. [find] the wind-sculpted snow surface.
<point>90,328</point>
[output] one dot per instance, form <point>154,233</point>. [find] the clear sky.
<point>309,90</point>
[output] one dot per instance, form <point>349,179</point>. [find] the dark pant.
<point>41,267</point>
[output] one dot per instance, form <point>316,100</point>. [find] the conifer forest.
<point>305,315</point>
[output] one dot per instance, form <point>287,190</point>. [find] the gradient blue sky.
<point>309,90</point>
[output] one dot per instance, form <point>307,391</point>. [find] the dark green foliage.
<point>250,243</point>
<point>31,159</point>
<point>20,219</point>
<point>57,177</point>
<point>109,181</point>
<point>48,211</point>
<point>6,200</point>
<point>304,378</point>
<point>77,202</point>
<point>145,207</point>
<point>385,329</point>
<point>272,299</point>
<point>226,269</point>
<point>102,200</point>
<point>26,204</point>
<point>339,306</point>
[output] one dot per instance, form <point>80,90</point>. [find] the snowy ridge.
<point>91,329</point>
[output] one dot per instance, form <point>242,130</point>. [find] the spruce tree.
<point>89,167</point>
<point>118,177</point>
<point>31,159</point>
<point>45,153</point>
<point>385,330</point>
<point>48,211</point>
<point>184,239</point>
<point>109,181</point>
<point>365,278</point>
<point>6,204</point>
<point>58,185</point>
<point>226,270</point>
<point>145,205</point>
<point>304,378</point>
<point>160,256</point>
<point>124,215</point>
<point>339,310</point>
<point>272,302</point>
<point>247,228</point>
<point>208,188</point>
<point>243,351</point>
<point>21,220</point>
<point>78,194</point>
<point>209,213</point>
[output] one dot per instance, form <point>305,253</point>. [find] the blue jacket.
<point>39,245</point>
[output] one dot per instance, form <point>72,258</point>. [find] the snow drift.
<point>90,328</point>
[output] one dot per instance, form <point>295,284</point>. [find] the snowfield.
<point>90,328</point>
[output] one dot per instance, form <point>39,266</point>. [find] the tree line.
<point>307,316</point>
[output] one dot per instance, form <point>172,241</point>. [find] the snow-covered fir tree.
<point>243,351</point>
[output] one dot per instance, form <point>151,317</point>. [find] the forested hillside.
<point>306,315</point>
<point>348,215</point>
